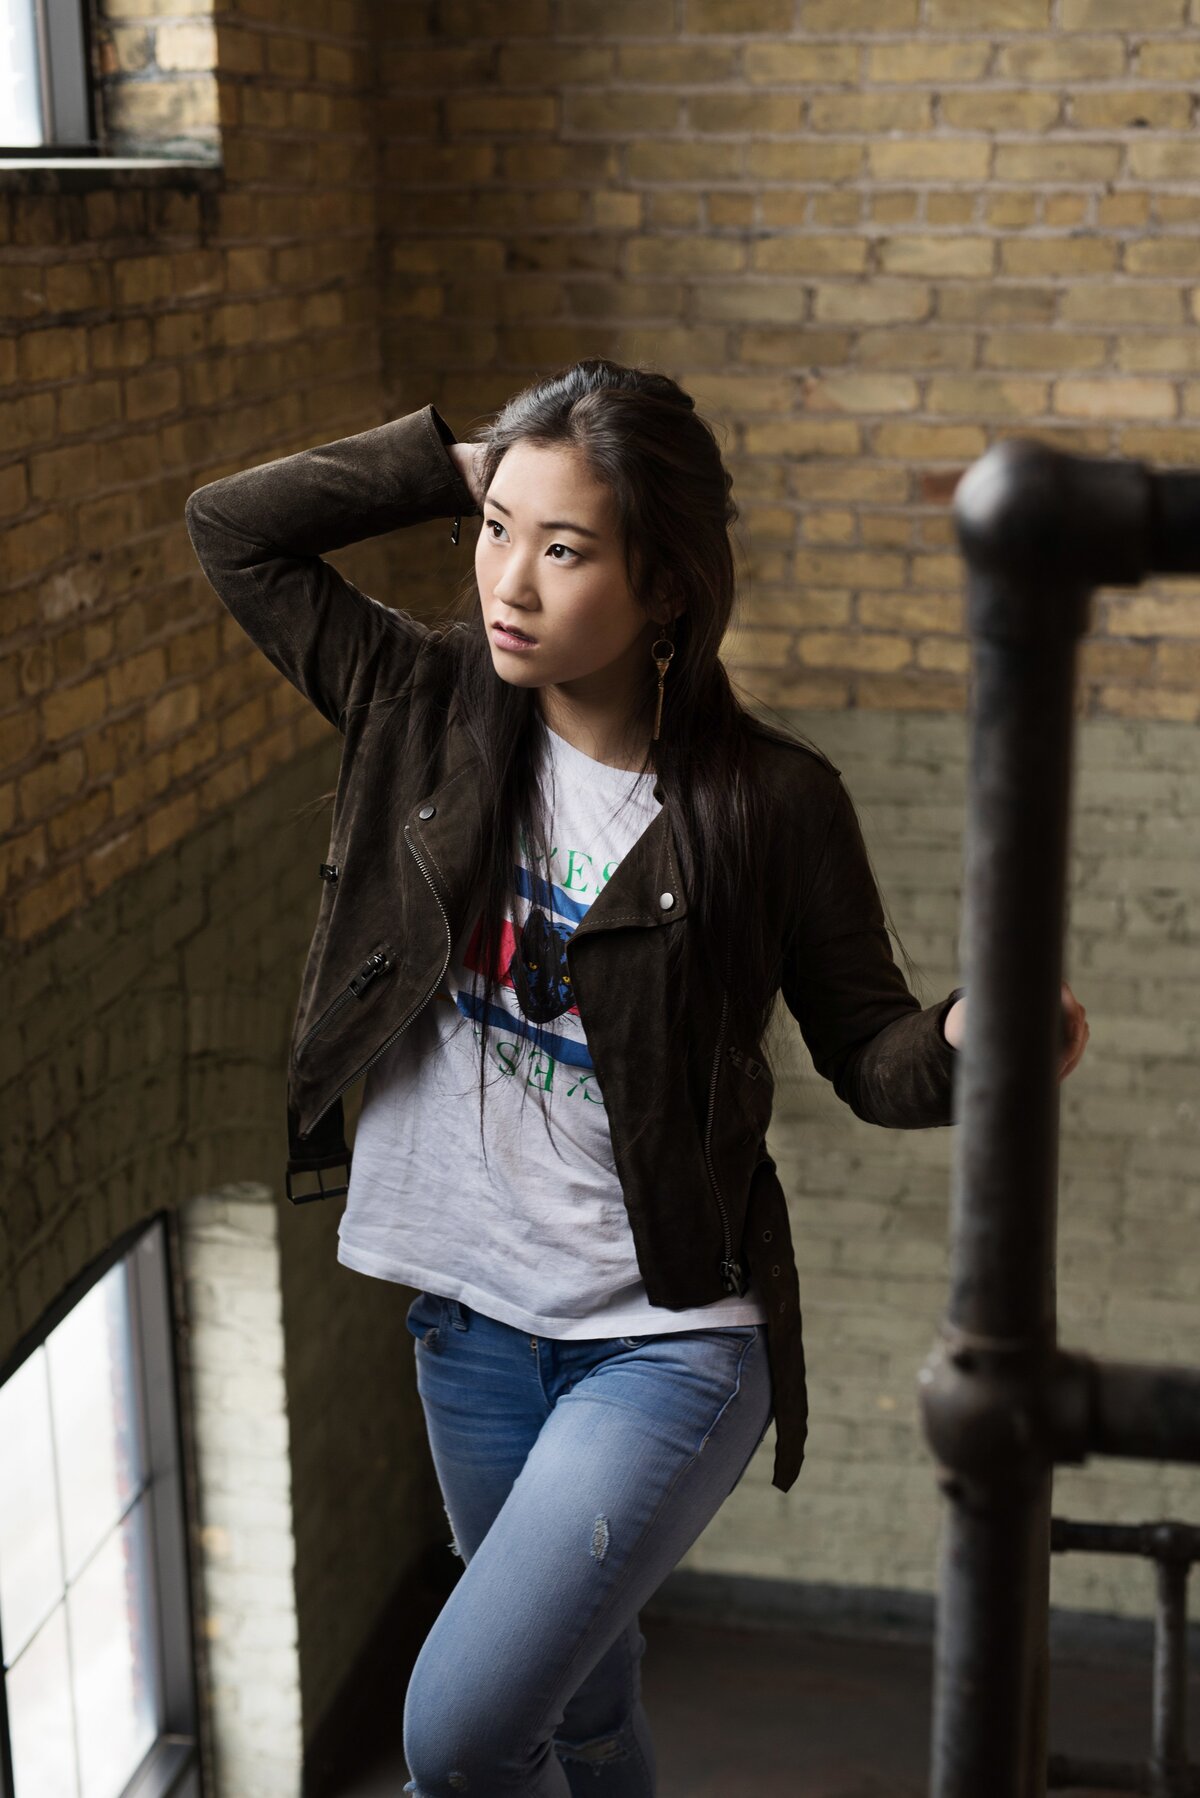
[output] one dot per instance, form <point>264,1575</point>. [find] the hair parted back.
<point>641,436</point>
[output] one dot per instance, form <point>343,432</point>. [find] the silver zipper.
<point>405,1022</point>
<point>376,963</point>
<point>731,1271</point>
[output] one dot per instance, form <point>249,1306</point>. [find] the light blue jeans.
<point>575,1475</point>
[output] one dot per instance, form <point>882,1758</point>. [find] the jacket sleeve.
<point>260,535</point>
<point>866,1032</point>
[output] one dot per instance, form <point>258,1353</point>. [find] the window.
<point>97,1694</point>
<point>44,93</point>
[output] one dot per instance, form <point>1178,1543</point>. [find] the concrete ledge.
<point>880,1613</point>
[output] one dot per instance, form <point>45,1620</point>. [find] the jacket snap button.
<point>766,1236</point>
<point>666,901</point>
<point>427,811</point>
<point>774,1270</point>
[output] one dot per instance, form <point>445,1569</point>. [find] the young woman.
<point>570,872</point>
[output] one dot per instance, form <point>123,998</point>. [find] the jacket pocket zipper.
<point>378,962</point>
<point>404,1022</point>
<point>731,1271</point>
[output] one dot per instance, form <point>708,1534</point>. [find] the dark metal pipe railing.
<point>1173,1547</point>
<point>1001,1404</point>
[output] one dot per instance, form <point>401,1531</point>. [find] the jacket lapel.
<point>649,872</point>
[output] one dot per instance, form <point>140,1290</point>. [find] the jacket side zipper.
<point>731,1271</point>
<point>376,963</point>
<point>405,1022</point>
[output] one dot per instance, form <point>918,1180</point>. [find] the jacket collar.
<point>646,888</point>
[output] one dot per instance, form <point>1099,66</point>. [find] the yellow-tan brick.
<point>1043,349</point>
<point>914,442</point>
<point>1115,398</point>
<point>685,255</point>
<point>810,255</point>
<point>74,708</point>
<point>78,823</point>
<point>801,438</point>
<point>619,114</point>
<point>796,161</point>
<point>829,527</point>
<point>870,112</point>
<point>1002,110</point>
<point>1176,59</point>
<point>951,255</point>
<point>1137,109</point>
<point>872,302</point>
<point>1064,57</point>
<point>168,823</point>
<point>21,855</point>
<point>867,650</point>
<point>861,393</point>
<point>1122,15</point>
<point>1124,303</point>
<point>54,780</point>
<point>859,15</point>
<point>1056,256</point>
<point>782,64</point>
<point>1002,15</point>
<point>906,611</point>
<point>923,62</point>
<point>41,907</point>
<point>847,568</point>
<point>1046,164</point>
<point>933,159</point>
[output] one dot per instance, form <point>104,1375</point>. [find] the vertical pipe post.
<point>1168,1757</point>
<point>989,1730</point>
<point>1027,611</point>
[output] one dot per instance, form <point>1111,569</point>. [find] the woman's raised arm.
<point>260,535</point>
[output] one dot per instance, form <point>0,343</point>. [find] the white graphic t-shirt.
<point>539,1237</point>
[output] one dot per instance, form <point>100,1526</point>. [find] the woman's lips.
<point>502,631</point>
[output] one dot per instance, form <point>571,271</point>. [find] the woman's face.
<point>548,560</point>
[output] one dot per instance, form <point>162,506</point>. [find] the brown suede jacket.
<point>701,1190</point>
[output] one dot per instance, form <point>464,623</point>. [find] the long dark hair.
<point>640,435</point>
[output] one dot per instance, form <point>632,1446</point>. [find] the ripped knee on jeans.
<point>597,1752</point>
<point>452,1545</point>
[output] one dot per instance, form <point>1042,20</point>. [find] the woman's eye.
<point>566,546</point>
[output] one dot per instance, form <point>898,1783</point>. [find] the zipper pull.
<point>374,964</point>
<point>747,1063</point>
<point>732,1277</point>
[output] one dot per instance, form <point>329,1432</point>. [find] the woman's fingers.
<point>1076,1030</point>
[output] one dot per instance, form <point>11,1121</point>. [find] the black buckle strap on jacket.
<point>324,1147</point>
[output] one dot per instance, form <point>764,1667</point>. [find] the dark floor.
<point>740,1713</point>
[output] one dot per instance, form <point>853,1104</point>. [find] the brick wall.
<point>871,236</point>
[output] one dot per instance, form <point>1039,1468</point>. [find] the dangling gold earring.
<point>662,663</point>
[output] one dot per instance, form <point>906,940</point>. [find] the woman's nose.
<point>513,578</point>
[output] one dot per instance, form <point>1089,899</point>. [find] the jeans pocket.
<point>424,1317</point>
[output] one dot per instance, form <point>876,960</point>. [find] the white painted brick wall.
<point>243,1458</point>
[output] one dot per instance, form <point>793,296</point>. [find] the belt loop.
<point>456,1315</point>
